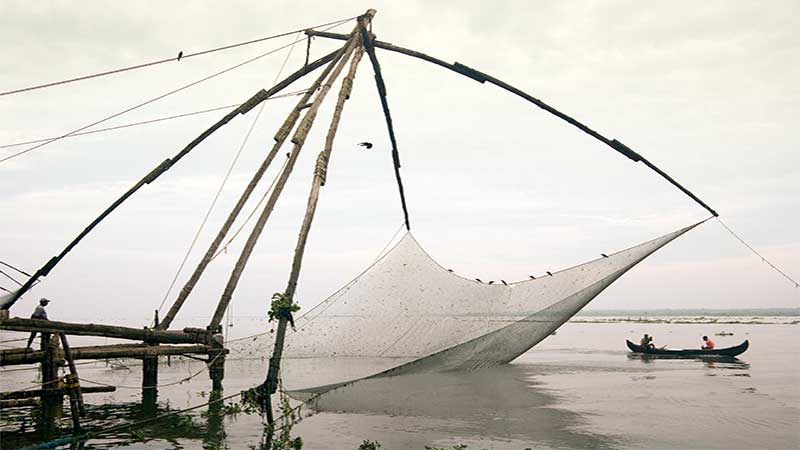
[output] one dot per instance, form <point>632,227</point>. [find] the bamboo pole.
<point>18,403</point>
<point>75,397</point>
<point>14,357</point>
<point>52,395</point>
<point>332,72</point>
<point>223,231</point>
<point>320,174</point>
<point>112,331</point>
<point>483,77</point>
<point>41,392</point>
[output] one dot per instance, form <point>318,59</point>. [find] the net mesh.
<point>407,314</point>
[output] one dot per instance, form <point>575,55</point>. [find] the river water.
<point>580,388</point>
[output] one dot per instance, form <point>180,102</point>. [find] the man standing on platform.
<point>38,313</point>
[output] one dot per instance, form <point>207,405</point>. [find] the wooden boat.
<point>690,353</point>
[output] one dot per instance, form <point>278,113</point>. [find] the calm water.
<point>578,389</point>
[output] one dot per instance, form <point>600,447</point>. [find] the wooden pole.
<point>320,175</point>
<point>18,403</point>
<point>42,392</point>
<point>150,372</point>
<point>223,231</point>
<point>481,77</point>
<point>334,68</point>
<point>15,357</point>
<point>138,334</point>
<point>216,365</point>
<point>73,387</point>
<point>52,394</point>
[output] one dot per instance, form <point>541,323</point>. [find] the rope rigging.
<point>146,122</point>
<point>152,100</point>
<point>167,164</point>
<point>166,60</point>
<point>763,259</point>
<point>224,182</point>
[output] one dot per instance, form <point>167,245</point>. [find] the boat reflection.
<point>714,362</point>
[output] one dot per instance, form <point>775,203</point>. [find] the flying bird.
<point>550,274</point>
<point>604,255</point>
<point>504,282</point>
<point>368,145</point>
<point>180,55</point>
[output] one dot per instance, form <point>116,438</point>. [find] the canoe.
<point>730,351</point>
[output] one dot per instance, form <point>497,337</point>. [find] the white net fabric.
<point>407,314</point>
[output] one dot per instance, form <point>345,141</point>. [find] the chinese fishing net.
<point>407,314</point>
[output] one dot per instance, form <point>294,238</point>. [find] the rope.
<point>147,102</point>
<point>763,259</point>
<point>172,383</point>
<point>145,122</point>
<point>14,268</point>
<point>10,277</point>
<point>224,181</point>
<point>224,248</point>
<point>166,60</point>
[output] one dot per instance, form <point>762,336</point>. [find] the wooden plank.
<point>39,392</point>
<point>112,331</point>
<point>8,358</point>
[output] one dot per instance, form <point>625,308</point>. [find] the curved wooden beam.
<point>482,78</point>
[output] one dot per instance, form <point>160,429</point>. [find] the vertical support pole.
<point>51,390</point>
<point>72,387</point>
<point>150,377</point>
<point>216,365</point>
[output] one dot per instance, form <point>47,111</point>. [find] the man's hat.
<point>43,301</point>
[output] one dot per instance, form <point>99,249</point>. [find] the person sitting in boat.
<point>38,313</point>
<point>709,344</point>
<point>647,341</point>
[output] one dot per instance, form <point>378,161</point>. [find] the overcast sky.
<point>496,187</point>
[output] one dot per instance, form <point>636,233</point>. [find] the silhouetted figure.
<point>368,145</point>
<point>180,55</point>
<point>604,255</point>
<point>550,274</point>
<point>38,313</point>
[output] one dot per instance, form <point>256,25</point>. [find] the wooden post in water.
<point>51,392</point>
<point>150,375</point>
<point>216,362</point>
<point>73,387</point>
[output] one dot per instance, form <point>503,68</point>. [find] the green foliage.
<point>138,435</point>
<point>370,445</point>
<point>281,306</point>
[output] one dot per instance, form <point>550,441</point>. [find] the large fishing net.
<point>407,314</point>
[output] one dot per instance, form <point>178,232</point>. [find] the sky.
<point>497,188</point>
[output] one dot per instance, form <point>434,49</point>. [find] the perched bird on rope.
<point>491,282</point>
<point>450,270</point>
<point>532,277</point>
<point>604,255</point>
<point>368,145</point>
<point>550,274</point>
<point>504,282</point>
<point>180,55</point>
<point>478,280</point>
